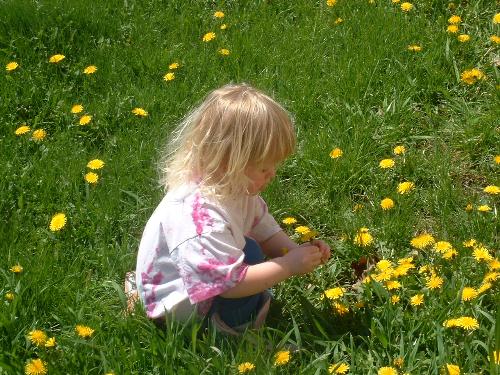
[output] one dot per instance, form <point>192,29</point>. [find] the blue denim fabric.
<point>237,311</point>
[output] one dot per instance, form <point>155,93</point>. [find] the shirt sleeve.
<point>264,225</point>
<point>209,264</point>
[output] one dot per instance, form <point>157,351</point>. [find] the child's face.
<point>260,175</point>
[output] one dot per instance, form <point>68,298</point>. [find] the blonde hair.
<point>234,127</point>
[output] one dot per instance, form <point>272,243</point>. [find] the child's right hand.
<point>303,259</point>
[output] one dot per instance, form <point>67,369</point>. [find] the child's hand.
<point>303,259</point>
<point>323,247</point>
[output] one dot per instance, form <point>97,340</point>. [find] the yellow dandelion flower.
<point>468,323</point>
<point>402,269</point>
<point>422,241</point>
<point>17,268</point>
<point>395,299</point>
<point>492,189</point>
<point>472,76</point>
<point>95,164</point>
<point>91,69</point>
<point>338,21</point>
<point>37,337</point>
<point>484,287</point>
<point>334,293</point>
<point>452,369</point>
<point>302,229</point>
<point>396,1</point>
<point>338,368</point>
<point>491,276</point>
<point>173,66</point>
<point>385,275</point>
<point>35,367</point>
<point>406,7</point>
<point>336,153</point>
<point>39,134</point>
<point>91,177</point>
<point>417,300</point>
<point>481,253</point>
<point>245,367</point>
<point>140,112</point>
<point>23,129</point>
<point>484,208</point>
<point>496,18</point>
<point>399,150</point>
<point>170,76</point>
<point>452,29</point>
<point>470,243</point>
<point>57,222</point>
<point>469,293</point>
<point>54,59</point>
<point>463,38</point>
<point>219,14</point>
<point>442,246</point>
<point>469,207</point>
<point>405,187</point>
<point>84,331</point>
<point>331,3</point>
<point>282,358</point>
<point>224,52</point>
<point>408,260</point>
<point>11,66</point>
<point>9,296</point>
<point>386,204</point>
<point>77,108</point>
<point>208,37</point>
<point>363,238</point>
<point>414,48</point>
<point>384,265</point>
<point>434,282</point>
<point>308,236</point>
<point>386,163</point>
<point>449,254</point>
<point>85,119</point>
<point>387,371</point>
<point>340,308</point>
<point>454,20</point>
<point>51,343</point>
<point>289,220</point>
<point>494,264</point>
<point>495,39</point>
<point>393,284</point>
<point>223,26</point>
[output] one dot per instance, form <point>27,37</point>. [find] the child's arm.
<point>273,247</point>
<point>262,276</point>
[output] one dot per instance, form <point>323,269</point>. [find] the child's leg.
<point>237,311</point>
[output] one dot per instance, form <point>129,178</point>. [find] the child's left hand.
<point>323,247</point>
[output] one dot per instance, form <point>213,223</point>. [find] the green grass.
<point>352,85</point>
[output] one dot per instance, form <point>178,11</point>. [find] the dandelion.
<point>399,150</point>
<point>302,229</point>
<point>85,119</point>
<point>470,243</point>
<point>95,164</point>
<point>495,39</point>
<point>224,52</point>
<point>469,293</point>
<point>454,20</point>
<point>11,66</point>
<point>395,299</point>
<point>363,238</point>
<point>223,26</point>
<point>245,367</point>
<point>39,134</point>
<point>57,222</point>
<point>9,296</point>
<point>484,287</point>
<point>289,220</point>
<point>484,208</point>
<point>282,358</point>
<point>386,163</point>
<point>384,265</point>
<point>417,300</point>
<point>471,76</point>
<point>434,282</point>
<point>449,254</point>
<point>491,276</point>
<point>386,204</point>
<point>77,108</point>
<point>173,66</point>
<point>91,69</point>
<point>469,207</point>
<point>406,7</point>
<point>393,284</point>
<point>340,308</point>
<point>338,368</point>
<point>414,48</point>
<point>170,76</point>
<point>219,14</point>
<point>17,268</point>
<point>23,129</point>
<point>396,1</point>
<point>465,322</point>
<point>334,293</point>
<point>50,343</point>
<point>494,264</point>
<point>452,29</point>
<point>387,371</point>
<point>492,189</point>
<point>91,177</point>
<point>481,253</point>
<point>496,18</point>
<point>442,246</point>
<point>35,367</point>
<point>338,21</point>
<point>422,241</point>
<point>140,112</point>
<point>331,3</point>
<point>208,37</point>
<point>405,187</point>
<point>37,337</point>
<point>336,153</point>
<point>84,331</point>
<point>463,38</point>
<point>452,369</point>
<point>56,58</point>
<point>308,236</point>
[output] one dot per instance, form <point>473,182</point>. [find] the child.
<point>202,250</point>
